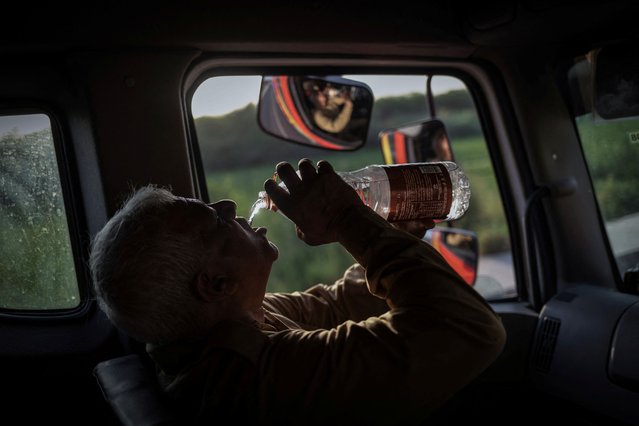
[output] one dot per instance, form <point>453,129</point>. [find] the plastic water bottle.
<point>400,192</point>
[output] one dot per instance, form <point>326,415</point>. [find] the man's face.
<point>235,248</point>
<point>321,99</point>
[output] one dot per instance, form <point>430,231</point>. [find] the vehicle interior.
<point>540,103</point>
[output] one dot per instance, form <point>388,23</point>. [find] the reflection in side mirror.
<point>460,249</point>
<point>324,112</point>
<point>425,141</point>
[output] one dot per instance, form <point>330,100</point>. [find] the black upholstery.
<point>132,390</point>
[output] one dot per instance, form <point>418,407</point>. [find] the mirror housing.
<point>424,141</point>
<point>616,85</point>
<point>323,112</point>
<point>459,247</point>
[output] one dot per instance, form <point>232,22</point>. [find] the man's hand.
<point>316,202</point>
<point>417,228</point>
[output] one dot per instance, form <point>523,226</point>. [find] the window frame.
<point>76,223</point>
<point>488,96</point>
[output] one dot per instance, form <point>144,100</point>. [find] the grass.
<point>36,261</point>
<point>36,264</point>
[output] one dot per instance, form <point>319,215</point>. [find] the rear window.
<point>36,261</point>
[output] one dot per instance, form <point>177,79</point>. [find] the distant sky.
<point>24,123</point>
<point>221,95</point>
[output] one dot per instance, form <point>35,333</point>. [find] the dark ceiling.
<point>440,28</point>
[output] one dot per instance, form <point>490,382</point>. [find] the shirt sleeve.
<point>395,368</point>
<point>324,306</point>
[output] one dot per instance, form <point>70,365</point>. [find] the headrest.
<point>132,390</point>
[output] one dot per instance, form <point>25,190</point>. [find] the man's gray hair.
<point>142,269</point>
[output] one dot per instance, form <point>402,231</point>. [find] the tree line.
<point>236,138</point>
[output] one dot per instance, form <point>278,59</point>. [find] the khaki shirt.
<point>388,343</point>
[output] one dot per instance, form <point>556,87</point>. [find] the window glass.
<point>611,149</point>
<point>238,157</point>
<point>485,215</point>
<point>36,262</point>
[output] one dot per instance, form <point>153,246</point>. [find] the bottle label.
<point>419,192</point>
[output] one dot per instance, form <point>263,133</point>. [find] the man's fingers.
<point>416,227</point>
<point>324,166</point>
<point>307,170</point>
<point>286,172</point>
<point>278,194</point>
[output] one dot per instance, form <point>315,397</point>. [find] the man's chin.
<point>275,251</point>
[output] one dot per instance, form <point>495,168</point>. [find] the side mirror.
<point>460,249</point>
<point>616,85</point>
<point>323,112</point>
<point>425,141</point>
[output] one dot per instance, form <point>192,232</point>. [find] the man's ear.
<point>211,288</point>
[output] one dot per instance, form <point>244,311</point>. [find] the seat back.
<point>132,390</point>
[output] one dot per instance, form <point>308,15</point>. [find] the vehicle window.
<point>237,158</point>
<point>609,131</point>
<point>485,216</point>
<point>36,261</point>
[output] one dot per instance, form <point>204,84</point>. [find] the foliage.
<point>485,215</point>
<point>236,138</point>
<point>612,157</point>
<point>36,262</point>
<point>455,108</point>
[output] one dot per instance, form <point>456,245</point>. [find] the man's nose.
<point>225,208</point>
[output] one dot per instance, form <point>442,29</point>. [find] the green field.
<point>612,155</point>
<point>300,266</point>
